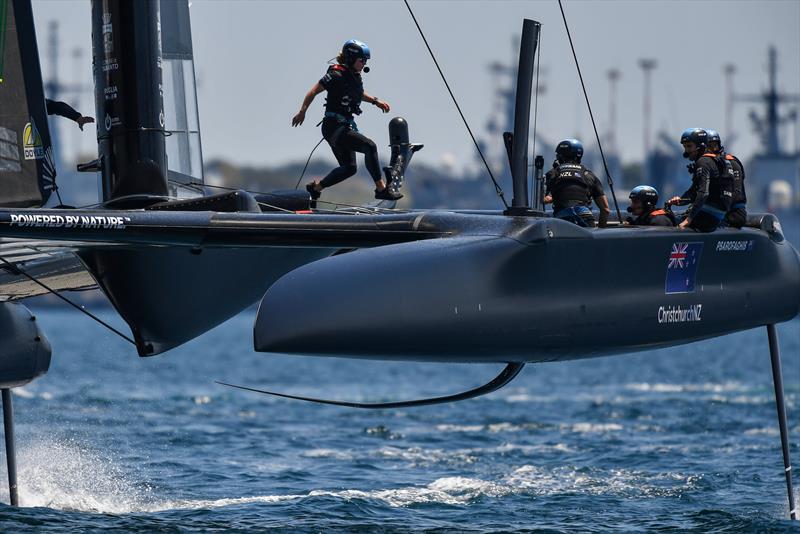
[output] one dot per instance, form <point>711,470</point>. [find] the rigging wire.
<point>591,115</point>
<point>536,114</point>
<point>15,269</point>
<point>497,187</point>
<point>307,161</point>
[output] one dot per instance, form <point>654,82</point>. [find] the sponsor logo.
<point>682,263</point>
<point>32,142</point>
<point>108,34</point>
<point>676,314</point>
<point>110,122</point>
<point>109,64</point>
<point>110,92</point>
<point>735,246</point>
<point>69,221</point>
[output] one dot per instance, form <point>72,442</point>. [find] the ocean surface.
<point>676,440</point>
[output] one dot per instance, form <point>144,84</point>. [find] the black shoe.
<point>387,194</point>
<point>313,191</point>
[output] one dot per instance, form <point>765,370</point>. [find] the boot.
<point>387,194</point>
<point>312,191</point>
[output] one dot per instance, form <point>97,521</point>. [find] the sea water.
<point>682,439</point>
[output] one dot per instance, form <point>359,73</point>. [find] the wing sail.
<point>27,169</point>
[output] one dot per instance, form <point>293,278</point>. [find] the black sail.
<point>27,169</point>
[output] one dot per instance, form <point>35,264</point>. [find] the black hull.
<point>505,290</point>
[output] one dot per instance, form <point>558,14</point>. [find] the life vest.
<point>647,219</point>
<point>720,188</point>
<point>345,90</point>
<point>570,184</point>
<point>661,212</point>
<point>739,195</point>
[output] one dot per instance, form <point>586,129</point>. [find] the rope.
<point>15,269</point>
<point>306,165</point>
<point>591,115</point>
<point>497,187</point>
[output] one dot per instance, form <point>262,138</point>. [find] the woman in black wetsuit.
<point>345,94</point>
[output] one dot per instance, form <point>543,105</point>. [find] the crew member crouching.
<point>644,201</point>
<point>571,187</point>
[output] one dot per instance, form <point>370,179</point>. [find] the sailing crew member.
<point>571,187</point>
<point>345,94</point>
<point>711,190</point>
<point>737,215</point>
<point>643,208</point>
<point>62,109</point>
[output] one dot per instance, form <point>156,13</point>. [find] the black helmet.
<point>353,50</point>
<point>698,136</point>
<point>569,150</point>
<point>645,194</point>
<point>713,137</point>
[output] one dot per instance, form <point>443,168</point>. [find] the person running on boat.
<point>644,201</point>
<point>571,187</point>
<point>710,194</point>
<point>737,215</point>
<point>345,94</point>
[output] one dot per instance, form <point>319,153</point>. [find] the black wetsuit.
<point>710,193</point>
<point>573,187</point>
<point>345,90</point>
<point>62,109</point>
<point>656,217</point>
<point>737,215</point>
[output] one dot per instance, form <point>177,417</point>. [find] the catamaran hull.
<point>169,296</point>
<point>540,290</point>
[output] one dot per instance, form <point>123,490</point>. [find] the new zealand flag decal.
<point>682,267</point>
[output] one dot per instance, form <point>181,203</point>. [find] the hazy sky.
<point>256,59</point>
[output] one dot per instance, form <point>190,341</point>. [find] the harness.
<point>341,119</point>
<point>577,215</point>
<point>717,213</point>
